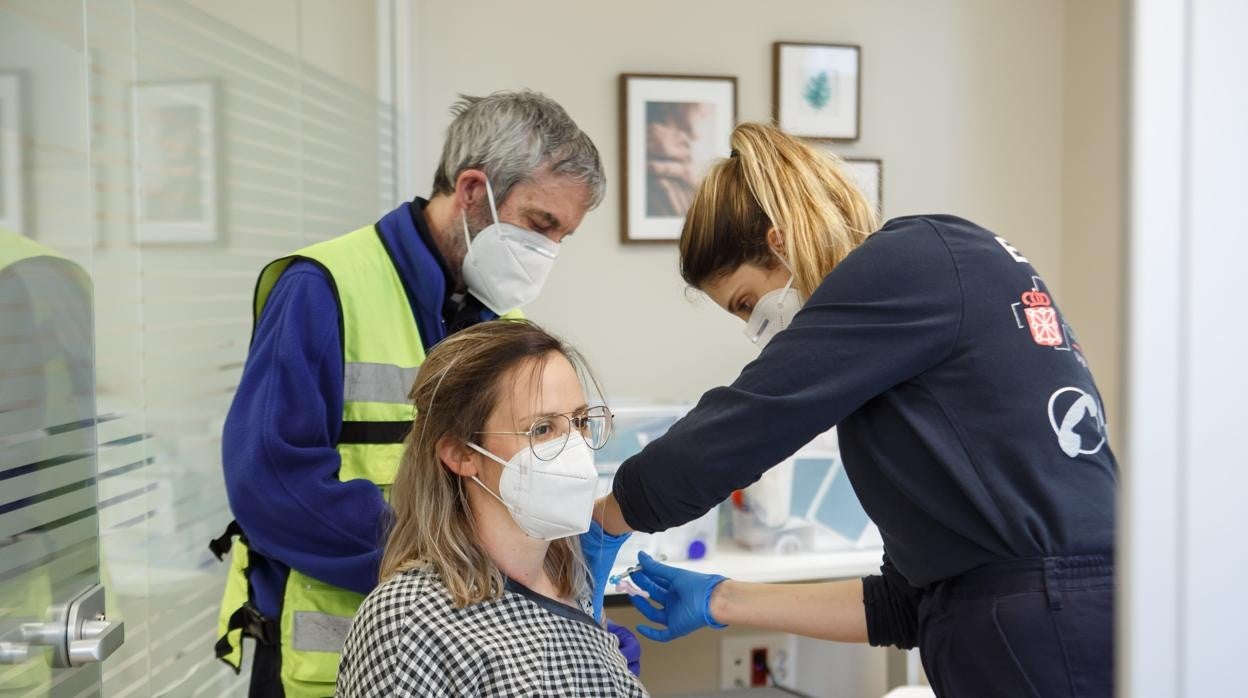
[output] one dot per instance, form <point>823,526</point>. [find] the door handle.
<point>100,638</point>
<point>89,636</point>
<point>77,634</point>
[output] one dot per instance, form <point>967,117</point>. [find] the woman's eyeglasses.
<point>593,423</point>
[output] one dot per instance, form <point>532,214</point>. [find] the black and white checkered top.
<point>408,639</point>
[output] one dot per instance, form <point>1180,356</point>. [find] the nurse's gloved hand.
<point>629,646</point>
<point>683,598</point>
<point>600,550</point>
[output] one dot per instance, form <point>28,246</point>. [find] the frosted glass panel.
<point>49,551</point>
<point>162,152</point>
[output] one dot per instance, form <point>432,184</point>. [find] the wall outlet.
<point>740,657</point>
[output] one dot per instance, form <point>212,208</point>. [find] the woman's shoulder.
<point>915,248</point>
<point>404,583</point>
<point>404,594</point>
<point>914,245</point>
<point>941,224</point>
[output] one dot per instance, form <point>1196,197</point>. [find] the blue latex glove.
<point>684,599</point>
<point>600,550</point>
<point>629,646</point>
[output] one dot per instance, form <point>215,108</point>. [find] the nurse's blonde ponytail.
<point>773,180</point>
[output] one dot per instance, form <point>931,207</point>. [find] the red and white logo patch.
<point>1044,328</point>
<point>1034,310</point>
<point>1042,318</point>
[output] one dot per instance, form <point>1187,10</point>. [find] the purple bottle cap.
<point>697,550</point>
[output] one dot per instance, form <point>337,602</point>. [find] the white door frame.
<point>1183,565</point>
<point>396,83</point>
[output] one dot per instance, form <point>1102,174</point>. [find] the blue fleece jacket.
<point>278,451</point>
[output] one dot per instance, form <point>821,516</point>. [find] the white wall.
<point>962,100</point>
<point>1093,169</point>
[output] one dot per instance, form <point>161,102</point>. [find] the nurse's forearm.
<point>827,610</point>
<point>608,515</point>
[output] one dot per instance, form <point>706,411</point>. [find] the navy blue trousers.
<point>1034,628</point>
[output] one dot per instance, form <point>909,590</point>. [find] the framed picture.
<point>671,128</point>
<point>11,159</point>
<point>176,153</point>
<point>817,90</point>
<point>868,174</point>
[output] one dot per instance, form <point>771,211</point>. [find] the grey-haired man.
<point>313,437</point>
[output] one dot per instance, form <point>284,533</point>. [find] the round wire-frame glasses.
<point>593,423</point>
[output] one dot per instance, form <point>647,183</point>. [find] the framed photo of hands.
<point>672,128</point>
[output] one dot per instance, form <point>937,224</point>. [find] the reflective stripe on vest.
<point>365,382</point>
<point>382,351</point>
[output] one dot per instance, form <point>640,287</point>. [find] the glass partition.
<point>154,156</point>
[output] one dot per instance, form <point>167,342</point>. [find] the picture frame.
<point>175,150</point>
<point>12,146</point>
<point>817,90</point>
<point>868,174</point>
<point>672,127</point>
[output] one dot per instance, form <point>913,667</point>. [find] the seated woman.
<point>484,589</point>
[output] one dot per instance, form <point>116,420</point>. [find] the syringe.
<point>615,578</point>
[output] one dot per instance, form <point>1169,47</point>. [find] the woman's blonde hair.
<point>459,384</point>
<point>773,179</point>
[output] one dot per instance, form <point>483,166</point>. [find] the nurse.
<point>969,424</point>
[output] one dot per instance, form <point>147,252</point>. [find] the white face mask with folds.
<point>506,265</point>
<point>548,499</point>
<point>774,311</point>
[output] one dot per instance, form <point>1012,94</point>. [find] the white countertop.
<point>736,562</point>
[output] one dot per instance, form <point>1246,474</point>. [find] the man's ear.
<point>775,240</point>
<point>457,457</point>
<point>470,189</point>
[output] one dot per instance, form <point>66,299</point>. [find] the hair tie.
<point>734,153</point>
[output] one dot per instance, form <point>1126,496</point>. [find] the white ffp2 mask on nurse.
<point>506,265</point>
<point>773,312</point>
<point>548,499</point>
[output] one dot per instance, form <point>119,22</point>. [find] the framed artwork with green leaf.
<point>817,90</point>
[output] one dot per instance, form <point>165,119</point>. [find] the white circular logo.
<point>1078,421</point>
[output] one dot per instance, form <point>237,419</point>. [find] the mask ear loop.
<point>490,191</point>
<point>792,276</point>
<point>496,459</point>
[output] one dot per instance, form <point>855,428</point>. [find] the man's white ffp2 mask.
<point>548,499</point>
<point>506,265</point>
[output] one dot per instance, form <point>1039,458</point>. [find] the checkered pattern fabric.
<point>408,639</point>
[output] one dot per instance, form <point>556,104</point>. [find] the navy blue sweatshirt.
<point>968,420</point>
<point>278,450</point>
